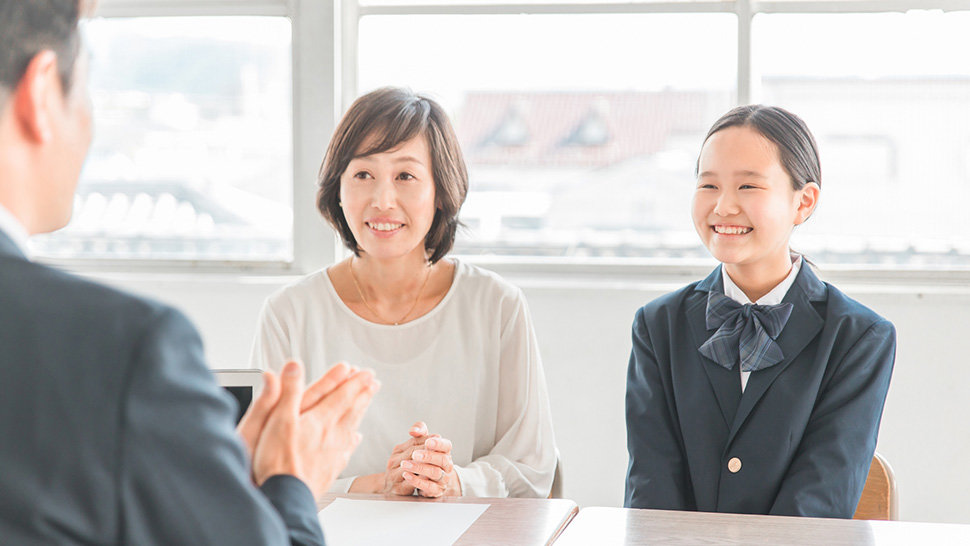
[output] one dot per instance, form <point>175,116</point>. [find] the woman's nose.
<point>385,194</point>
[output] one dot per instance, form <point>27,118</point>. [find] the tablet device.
<point>243,385</point>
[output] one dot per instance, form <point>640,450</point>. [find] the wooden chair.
<point>880,499</point>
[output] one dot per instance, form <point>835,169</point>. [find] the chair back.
<point>880,499</point>
<point>556,492</point>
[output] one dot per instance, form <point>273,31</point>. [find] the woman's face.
<point>744,205</point>
<point>388,199</point>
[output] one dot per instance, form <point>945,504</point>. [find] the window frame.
<point>324,69</point>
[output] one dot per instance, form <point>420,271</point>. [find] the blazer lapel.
<point>725,383</point>
<point>803,325</point>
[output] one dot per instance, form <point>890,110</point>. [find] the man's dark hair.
<point>28,27</point>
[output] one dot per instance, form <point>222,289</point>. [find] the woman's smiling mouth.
<point>384,226</point>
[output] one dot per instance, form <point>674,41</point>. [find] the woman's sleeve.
<point>523,461</point>
<point>826,477</point>
<point>271,346</point>
<point>657,475</point>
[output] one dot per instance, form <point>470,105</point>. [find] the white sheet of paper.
<point>350,522</point>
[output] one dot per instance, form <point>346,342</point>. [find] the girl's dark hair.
<point>797,149</point>
<point>382,120</point>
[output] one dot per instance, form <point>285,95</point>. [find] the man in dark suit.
<point>112,430</point>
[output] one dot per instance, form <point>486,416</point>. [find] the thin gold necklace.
<point>374,311</point>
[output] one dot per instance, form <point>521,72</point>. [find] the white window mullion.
<point>745,14</point>
<point>315,101</point>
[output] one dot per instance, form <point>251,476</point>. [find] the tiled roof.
<point>583,129</point>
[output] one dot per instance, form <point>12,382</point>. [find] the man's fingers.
<point>334,405</point>
<point>351,419</point>
<point>336,375</point>
<point>291,388</point>
<point>255,417</point>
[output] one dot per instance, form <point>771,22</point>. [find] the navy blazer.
<point>804,430</point>
<point>112,429</point>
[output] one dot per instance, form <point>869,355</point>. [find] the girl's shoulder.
<point>844,312</point>
<point>676,303</point>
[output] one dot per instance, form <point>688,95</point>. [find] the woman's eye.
<point>362,175</point>
<point>405,176</point>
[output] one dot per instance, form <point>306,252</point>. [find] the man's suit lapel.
<point>725,383</point>
<point>802,327</point>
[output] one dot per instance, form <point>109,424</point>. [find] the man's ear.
<point>807,201</point>
<point>37,94</point>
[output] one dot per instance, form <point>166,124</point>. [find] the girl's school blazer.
<point>798,441</point>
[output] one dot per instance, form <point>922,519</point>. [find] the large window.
<point>581,121</point>
<point>192,156</point>
<point>581,125</point>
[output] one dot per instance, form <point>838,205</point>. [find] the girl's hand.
<point>431,471</point>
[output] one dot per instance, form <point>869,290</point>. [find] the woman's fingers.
<point>442,460</point>
<point>430,471</point>
<point>426,487</point>
<point>418,429</point>
<point>437,443</point>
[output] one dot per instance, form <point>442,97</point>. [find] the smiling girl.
<point>760,388</point>
<point>452,343</point>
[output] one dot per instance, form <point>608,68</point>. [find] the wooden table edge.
<point>567,519</point>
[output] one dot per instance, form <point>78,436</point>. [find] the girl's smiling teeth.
<point>384,226</point>
<point>731,230</point>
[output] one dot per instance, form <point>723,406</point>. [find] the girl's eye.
<point>705,186</point>
<point>362,175</point>
<point>405,176</point>
<point>748,187</point>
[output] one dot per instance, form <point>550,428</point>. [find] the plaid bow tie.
<point>745,331</point>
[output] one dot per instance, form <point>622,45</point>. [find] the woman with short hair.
<point>452,343</point>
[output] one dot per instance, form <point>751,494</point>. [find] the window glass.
<point>580,131</point>
<point>887,96</point>
<point>192,155</point>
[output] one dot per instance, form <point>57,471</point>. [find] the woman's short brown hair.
<point>381,120</point>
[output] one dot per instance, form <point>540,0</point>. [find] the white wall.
<point>584,333</point>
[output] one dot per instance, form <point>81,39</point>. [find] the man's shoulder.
<point>65,301</point>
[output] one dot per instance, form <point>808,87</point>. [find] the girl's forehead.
<point>739,144</point>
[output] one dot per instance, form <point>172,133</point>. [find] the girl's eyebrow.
<point>749,174</point>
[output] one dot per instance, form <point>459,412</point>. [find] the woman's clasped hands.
<point>422,464</point>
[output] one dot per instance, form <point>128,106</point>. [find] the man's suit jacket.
<point>803,431</point>
<point>112,429</point>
